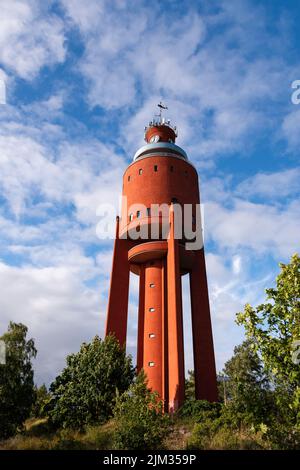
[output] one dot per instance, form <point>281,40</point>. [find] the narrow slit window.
<point>130,217</point>
<point>128,179</point>
<point>152,285</point>
<point>138,214</point>
<point>151,364</point>
<point>148,211</point>
<point>171,168</point>
<point>140,171</point>
<point>151,335</point>
<point>155,167</point>
<point>151,309</point>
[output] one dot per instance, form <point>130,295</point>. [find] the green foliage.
<point>85,392</point>
<point>42,399</point>
<point>200,410</point>
<point>140,422</point>
<point>249,399</point>
<point>274,328</point>
<point>190,386</point>
<point>17,393</point>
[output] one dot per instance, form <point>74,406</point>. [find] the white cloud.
<point>29,39</point>
<point>60,311</point>
<point>84,173</point>
<point>136,55</point>
<point>276,185</point>
<point>260,227</point>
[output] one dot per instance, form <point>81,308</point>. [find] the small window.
<point>152,285</point>
<point>138,214</point>
<point>148,211</point>
<point>140,171</point>
<point>151,335</point>
<point>171,168</point>
<point>128,178</point>
<point>151,309</point>
<point>151,364</point>
<point>130,217</point>
<point>155,168</point>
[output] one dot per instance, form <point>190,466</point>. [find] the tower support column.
<point>116,320</point>
<point>141,319</point>
<point>204,360</point>
<point>175,323</point>
<point>153,327</point>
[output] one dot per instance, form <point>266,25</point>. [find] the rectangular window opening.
<point>155,167</point>
<point>151,309</point>
<point>151,364</point>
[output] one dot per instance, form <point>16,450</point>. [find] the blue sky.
<point>82,79</point>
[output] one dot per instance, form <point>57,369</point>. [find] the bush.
<point>85,392</point>
<point>199,410</point>
<point>140,422</point>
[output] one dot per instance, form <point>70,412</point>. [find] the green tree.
<point>249,399</point>
<point>274,330</point>
<point>139,417</point>
<point>85,392</point>
<point>42,399</point>
<point>17,393</point>
<point>190,386</point>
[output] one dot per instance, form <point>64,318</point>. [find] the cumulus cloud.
<point>276,185</point>
<point>58,308</point>
<point>199,62</point>
<point>29,38</point>
<point>261,227</point>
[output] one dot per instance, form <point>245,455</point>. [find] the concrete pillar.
<point>204,360</point>
<point>116,320</point>
<point>153,326</point>
<point>175,329</point>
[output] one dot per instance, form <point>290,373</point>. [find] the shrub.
<point>199,410</point>
<point>140,422</point>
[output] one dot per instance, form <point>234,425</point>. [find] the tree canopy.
<point>17,393</point>
<point>85,391</point>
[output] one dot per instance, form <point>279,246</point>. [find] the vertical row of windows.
<point>151,335</point>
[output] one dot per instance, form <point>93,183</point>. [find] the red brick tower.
<point>161,174</point>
